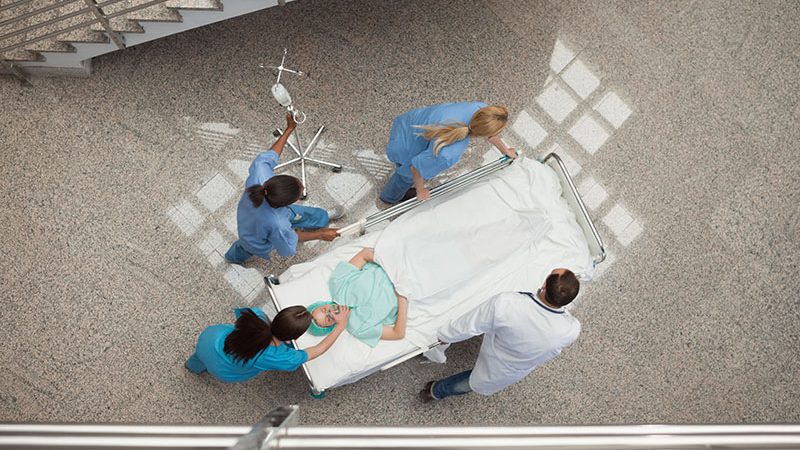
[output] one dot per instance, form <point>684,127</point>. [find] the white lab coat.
<point>520,334</point>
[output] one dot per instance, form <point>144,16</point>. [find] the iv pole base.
<point>302,156</point>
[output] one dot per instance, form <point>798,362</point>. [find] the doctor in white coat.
<point>521,331</point>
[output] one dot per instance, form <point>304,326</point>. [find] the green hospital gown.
<point>370,294</point>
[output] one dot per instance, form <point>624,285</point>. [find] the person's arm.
<point>363,257</point>
<point>419,184</point>
<point>325,234</point>
<point>325,344</point>
<point>277,147</point>
<point>473,323</point>
<point>398,330</point>
<point>504,149</point>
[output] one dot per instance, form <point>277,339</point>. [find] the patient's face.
<point>323,316</point>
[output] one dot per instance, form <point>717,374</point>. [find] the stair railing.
<point>91,13</point>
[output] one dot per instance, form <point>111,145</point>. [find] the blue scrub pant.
<point>396,188</point>
<point>457,384</point>
<point>305,218</point>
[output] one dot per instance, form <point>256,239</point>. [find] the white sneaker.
<point>335,213</point>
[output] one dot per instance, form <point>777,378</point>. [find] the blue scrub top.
<point>407,148</point>
<point>210,351</point>
<point>264,228</point>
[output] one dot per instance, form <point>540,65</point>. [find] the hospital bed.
<point>501,227</point>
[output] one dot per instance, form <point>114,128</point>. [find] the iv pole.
<point>282,96</point>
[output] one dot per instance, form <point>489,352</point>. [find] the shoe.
<point>411,193</point>
<point>426,394</point>
<point>335,213</point>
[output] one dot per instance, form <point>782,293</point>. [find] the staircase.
<point>60,37</point>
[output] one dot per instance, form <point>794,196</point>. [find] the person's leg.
<point>396,188</point>
<point>457,384</point>
<point>237,254</point>
<point>308,217</point>
<point>194,365</point>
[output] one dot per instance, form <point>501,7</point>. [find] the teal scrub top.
<point>370,294</point>
<point>210,351</point>
<point>407,148</point>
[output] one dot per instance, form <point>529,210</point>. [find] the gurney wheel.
<point>319,396</point>
<point>337,169</point>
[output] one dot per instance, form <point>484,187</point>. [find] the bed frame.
<point>570,193</point>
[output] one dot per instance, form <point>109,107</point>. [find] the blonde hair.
<point>486,122</point>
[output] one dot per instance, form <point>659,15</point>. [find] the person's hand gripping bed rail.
<point>427,141</point>
<point>378,311</point>
<point>239,352</point>
<point>267,216</point>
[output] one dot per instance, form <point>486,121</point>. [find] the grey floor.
<point>680,119</point>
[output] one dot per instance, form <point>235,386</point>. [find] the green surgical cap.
<point>315,329</point>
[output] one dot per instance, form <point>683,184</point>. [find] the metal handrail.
<point>14,4</point>
<point>279,431</point>
<point>563,167</point>
<point>87,11</point>
<point>49,35</point>
<point>45,23</point>
<point>37,11</point>
<point>271,281</point>
<point>396,210</point>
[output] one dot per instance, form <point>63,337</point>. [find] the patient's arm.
<point>363,257</point>
<point>398,330</point>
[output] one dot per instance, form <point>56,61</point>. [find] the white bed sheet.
<point>538,233</point>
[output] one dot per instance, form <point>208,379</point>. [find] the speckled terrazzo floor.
<point>680,120</point>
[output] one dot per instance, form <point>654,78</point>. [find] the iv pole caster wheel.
<point>336,169</point>
<point>317,396</point>
<point>276,133</point>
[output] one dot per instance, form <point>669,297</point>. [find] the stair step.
<point>120,25</point>
<point>83,35</point>
<point>155,13</point>
<point>22,55</point>
<point>208,5</point>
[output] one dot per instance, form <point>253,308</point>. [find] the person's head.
<point>251,334</point>
<point>322,318</point>
<point>487,122</point>
<point>561,287</point>
<point>278,191</point>
<point>290,323</point>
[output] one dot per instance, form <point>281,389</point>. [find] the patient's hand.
<point>341,316</point>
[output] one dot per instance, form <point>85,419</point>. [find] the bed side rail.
<point>596,245</point>
<point>270,281</point>
<point>456,183</point>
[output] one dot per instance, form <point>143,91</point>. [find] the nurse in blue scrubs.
<point>267,217</point>
<point>427,141</point>
<point>233,353</point>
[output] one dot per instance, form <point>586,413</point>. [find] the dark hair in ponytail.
<point>251,334</point>
<point>278,191</point>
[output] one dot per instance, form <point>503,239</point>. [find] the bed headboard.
<point>573,198</point>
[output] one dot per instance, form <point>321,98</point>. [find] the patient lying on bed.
<point>377,310</point>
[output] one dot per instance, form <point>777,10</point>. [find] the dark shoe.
<point>425,395</point>
<point>411,193</point>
